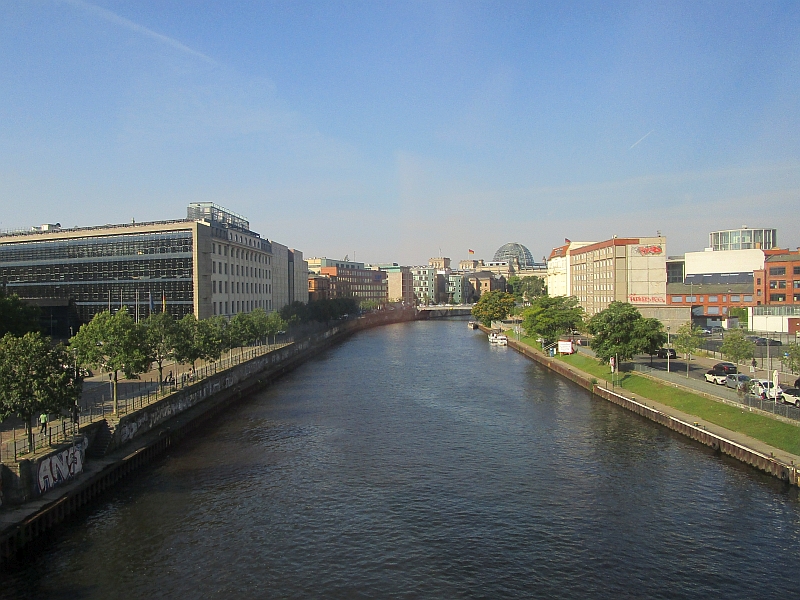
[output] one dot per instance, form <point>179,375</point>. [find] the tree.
<point>526,289</point>
<point>686,341</point>
<point>651,336</point>
<point>549,317</point>
<point>617,332</point>
<point>241,331</point>
<point>736,347</point>
<point>16,317</point>
<point>113,343</point>
<point>35,377</point>
<point>275,324</point>
<point>203,339</point>
<point>161,333</point>
<point>793,358</point>
<point>493,306</point>
<point>740,313</point>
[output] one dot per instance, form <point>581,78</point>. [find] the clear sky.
<point>391,130</point>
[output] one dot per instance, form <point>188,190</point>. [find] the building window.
<point>214,286</point>
<point>797,297</point>
<point>725,310</point>
<point>215,307</point>
<point>736,298</point>
<point>777,297</point>
<point>777,284</point>
<point>691,298</point>
<point>713,310</point>
<point>747,298</point>
<point>777,270</point>
<point>677,298</point>
<point>713,298</point>
<point>796,270</point>
<point>758,281</point>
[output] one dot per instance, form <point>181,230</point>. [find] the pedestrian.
<point>797,382</point>
<point>42,423</point>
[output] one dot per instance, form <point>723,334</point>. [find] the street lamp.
<point>668,348</point>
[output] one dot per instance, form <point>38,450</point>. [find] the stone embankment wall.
<point>147,433</point>
<point>768,464</point>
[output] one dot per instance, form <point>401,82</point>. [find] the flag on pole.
<point>163,302</point>
<point>472,251</point>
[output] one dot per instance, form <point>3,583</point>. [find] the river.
<point>416,461</point>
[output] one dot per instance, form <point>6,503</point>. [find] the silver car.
<point>739,381</point>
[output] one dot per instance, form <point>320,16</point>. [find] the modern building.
<point>743,239</point>
<point>713,282</point>
<point>424,285</point>
<point>365,285</point>
<point>315,265</point>
<point>400,283</point>
<point>515,254</point>
<point>459,289</point>
<point>209,263</point>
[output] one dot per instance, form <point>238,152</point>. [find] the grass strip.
<point>770,431</point>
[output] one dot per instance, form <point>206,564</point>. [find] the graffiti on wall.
<point>59,468</point>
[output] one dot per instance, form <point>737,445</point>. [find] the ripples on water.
<point>417,461</point>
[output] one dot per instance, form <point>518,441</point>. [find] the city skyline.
<point>389,132</point>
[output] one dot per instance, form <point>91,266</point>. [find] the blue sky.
<point>391,130</point>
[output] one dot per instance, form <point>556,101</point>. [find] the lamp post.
<point>668,348</point>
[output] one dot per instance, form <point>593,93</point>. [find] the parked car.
<point>792,396</point>
<point>705,331</point>
<point>667,352</point>
<point>737,381</point>
<point>715,376</point>
<point>765,388</point>
<point>729,368</point>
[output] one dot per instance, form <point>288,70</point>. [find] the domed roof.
<point>514,250</point>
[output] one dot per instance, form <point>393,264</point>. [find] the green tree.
<point>241,331</point>
<point>493,306</point>
<point>617,332</point>
<point>736,347</point>
<point>550,317</point>
<point>113,343</point>
<point>35,378</point>
<point>200,340</point>
<point>686,341</point>
<point>161,334</point>
<point>526,289</point>
<point>651,336</point>
<point>741,313</point>
<point>793,358</point>
<point>16,317</point>
<point>275,324</point>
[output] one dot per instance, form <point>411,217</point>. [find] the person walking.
<point>42,423</point>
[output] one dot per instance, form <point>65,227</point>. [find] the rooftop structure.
<point>743,239</point>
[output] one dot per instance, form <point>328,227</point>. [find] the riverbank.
<point>776,461</point>
<point>144,435</point>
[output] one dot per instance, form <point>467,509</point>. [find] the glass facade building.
<point>743,239</point>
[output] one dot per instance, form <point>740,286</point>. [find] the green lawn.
<point>771,431</point>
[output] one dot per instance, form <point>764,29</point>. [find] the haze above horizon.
<point>390,130</point>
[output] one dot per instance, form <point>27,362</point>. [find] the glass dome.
<point>514,250</point>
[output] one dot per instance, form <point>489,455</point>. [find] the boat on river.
<point>472,325</point>
<point>498,338</point>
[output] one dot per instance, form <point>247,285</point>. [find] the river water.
<point>416,461</point>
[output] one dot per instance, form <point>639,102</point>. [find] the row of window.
<point>780,284</point>
<point>778,271</point>
<point>240,287</point>
<point>733,298</point>
<point>782,297</point>
<point>237,306</point>
<point>241,270</point>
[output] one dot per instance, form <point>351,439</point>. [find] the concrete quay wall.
<point>769,464</point>
<point>144,435</point>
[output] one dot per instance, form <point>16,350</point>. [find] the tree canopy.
<point>526,289</point>
<point>493,306</point>
<point>686,341</point>
<point>651,335</point>
<point>617,332</point>
<point>113,343</point>
<point>549,317</point>
<point>35,377</point>
<point>16,317</point>
<point>736,347</point>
